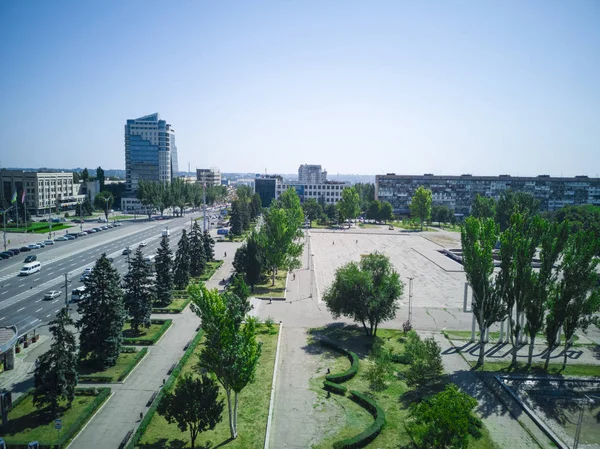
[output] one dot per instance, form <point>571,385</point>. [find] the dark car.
<point>15,251</point>
<point>69,236</point>
<point>24,249</point>
<point>31,258</point>
<point>5,255</point>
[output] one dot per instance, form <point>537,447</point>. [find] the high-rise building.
<point>311,174</point>
<point>150,151</point>
<point>210,176</point>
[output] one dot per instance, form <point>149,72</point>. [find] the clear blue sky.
<point>448,87</point>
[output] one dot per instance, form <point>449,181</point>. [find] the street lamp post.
<point>4,221</point>
<point>410,284</point>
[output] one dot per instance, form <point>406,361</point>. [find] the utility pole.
<point>311,268</point>
<point>4,212</point>
<point>66,293</point>
<point>80,216</point>
<point>410,284</point>
<point>590,399</point>
<point>204,206</point>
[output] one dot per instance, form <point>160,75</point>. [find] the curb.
<point>136,366</point>
<point>272,400</point>
<point>90,420</point>
<point>287,278</point>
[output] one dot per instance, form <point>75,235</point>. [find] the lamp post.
<point>410,284</point>
<point>106,201</point>
<point>590,399</point>
<point>4,220</point>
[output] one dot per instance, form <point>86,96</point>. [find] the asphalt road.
<point>23,295</point>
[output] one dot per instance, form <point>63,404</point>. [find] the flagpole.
<point>17,209</point>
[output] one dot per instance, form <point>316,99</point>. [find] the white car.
<point>52,294</point>
<point>48,242</point>
<point>85,274</point>
<point>33,246</point>
<point>143,243</point>
<point>40,244</point>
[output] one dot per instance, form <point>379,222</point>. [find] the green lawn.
<point>41,228</point>
<point>27,424</point>
<point>125,363</point>
<point>538,368</point>
<point>494,336</point>
<point>253,408</point>
<point>266,290</point>
<point>145,335</point>
<point>395,399</point>
<point>122,217</point>
<point>211,269</point>
<point>176,306</point>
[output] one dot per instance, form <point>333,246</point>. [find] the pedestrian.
<point>271,300</point>
<point>294,276</point>
<point>357,241</point>
<point>225,253</point>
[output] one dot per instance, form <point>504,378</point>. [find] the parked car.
<point>78,294</point>
<point>118,223</point>
<point>61,239</point>
<point>15,251</point>
<point>25,249</point>
<point>48,242</point>
<point>127,251</point>
<point>98,229</point>
<point>91,231</point>
<point>69,237</point>
<point>30,259</point>
<point>143,243</point>
<point>5,255</point>
<point>33,246</point>
<point>82,233</point>
<point>40,244</point>
<point>52,294</point>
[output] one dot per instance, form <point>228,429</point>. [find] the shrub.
<point>371,432</point>
<point>399,358</point>
<point>269,322</point>
<point>350,372</point>
<point>334,388</point>
<point>150,341</point>
<point>425,360</point>
<point>380,366</point>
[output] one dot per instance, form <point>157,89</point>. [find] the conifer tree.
<point>164,273</point>
<point>102,316</point>
<point>181,273</point>
<point>209,245</point>
<point>139,292</point>
<point>56,374</point>
<point>197,254</point>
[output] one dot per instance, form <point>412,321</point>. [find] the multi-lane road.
<point>24,295</point>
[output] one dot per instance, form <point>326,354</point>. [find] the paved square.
<point>438,281</point>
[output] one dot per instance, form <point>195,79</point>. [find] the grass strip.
<point>127,360</point>
<point>149,335</point>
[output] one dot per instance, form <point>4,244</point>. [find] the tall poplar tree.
<point>181,273</point>
<point>420,204</point>
<point>102,316</point>
<point>164,273</point>
<point>139,292</point>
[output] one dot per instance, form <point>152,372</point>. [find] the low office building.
<point>458,192</point>
<point>41,193</point>
<point>210,176</point>
<point>328,192</point>
<point>266,187</point>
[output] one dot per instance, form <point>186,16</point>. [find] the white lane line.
<point>36,280</point>
<point>48,316</point>
<point>21,285</point>
<point>56,311</point>
<point>73,264</point>
<point>55,301</point>
<point>38,309</point>
<point>39,300</point>
<point>51,272</point>
<point>2,293</point>
<point>3,318</point>
<point>22,308</point>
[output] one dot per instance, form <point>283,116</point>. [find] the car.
<point>85,274</point>
<point>69,237</point>
<point>61,239</point>
<point>78,294</point>
<point>98,229</point>
<point>143,243</point>
<point>48,242</point>
<point>40,244</point>
<point>33,246</point>
<point>91,231</point>
<point>82,233</point>
<point>25,249</point>
<point>127,251</point>
<point>104,228</point>
<point>5,255</point>
<point>118,223</point>
<point>52,294</point>
<point>15,251</point>
<point>30,259</point>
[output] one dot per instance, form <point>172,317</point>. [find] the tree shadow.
<point>414,396</point>
<point>596,351</point>
<point>36,418</point>
<point>165,443</point>
<point>351,336</point>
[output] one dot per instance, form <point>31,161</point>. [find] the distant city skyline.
<point>364,88</point>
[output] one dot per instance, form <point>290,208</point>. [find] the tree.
<point>515,280</point>
<point>366,291</point>
<point>231,351</point>
<point>102,316</point>
<point>374,210</point>
<point>56,373</point>
<point>478,237</point>
<point>197,254</point>
<point>386,211</point>
<point>425,360</point>
<point>237,220</point>
<point>510,202</point>
<point>209,245</point>
<point>380,367</point>
<point>483,207</point>
<point>194,405</point>
<point>239,288</point>
<point>577,295</point>
<point>139,293</point>
<point>444,420</point>
<point>85,175</point>
<point>349,204</point>
<point>312,210</point>
<point>100,177</point>
<point>420,204</point>
<point>552,239</point>
<point>255,206</point>
<point>332,212</point>
<point>76,177</point>
<point>164,273</point>
<point>248,260</point>
<point>181,270</point>
<point>366,192</point>
<point>104,201</point>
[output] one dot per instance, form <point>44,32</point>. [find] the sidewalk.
<point>504,428</point>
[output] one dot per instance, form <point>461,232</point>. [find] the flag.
<point>14,197</point>
<point>23,197</point>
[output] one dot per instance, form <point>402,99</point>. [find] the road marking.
<point>1,293</point>
<point>55,301</point>
<point>22,308</point>
<point>51,272</point>
<point>48,316</point>
<point>56,311</point>
<point>38,309</point>
<point>41,299</point>
<point>3,318</point>
<point>21,285</point>
<point>36,280</point>
<point>73,264</point>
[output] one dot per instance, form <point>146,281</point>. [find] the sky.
<point>362,87</point>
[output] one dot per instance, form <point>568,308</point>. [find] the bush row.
<point>350,372</point>
<point>150,341</point>
<point>171,309</point>
<point>371,432</point>
<point>139,356</point>
<point>334,388</point>
<point>67,434</point>
<point>168,385</point>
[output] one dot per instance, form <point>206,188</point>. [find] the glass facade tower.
<point>150,151</point>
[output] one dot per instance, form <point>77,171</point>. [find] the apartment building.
<point>311,174</point>
<point>458,192</point>
<point>210,176</point>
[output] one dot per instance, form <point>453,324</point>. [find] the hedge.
<point>154,339</point>
<point>350,372</point>
<point>171,309</point>
<point>102,395</point>
<point>139,356</point>
<point>164,390</point>
<point>334,388</point>
<point>371,432</point>
<point>100,379</point>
